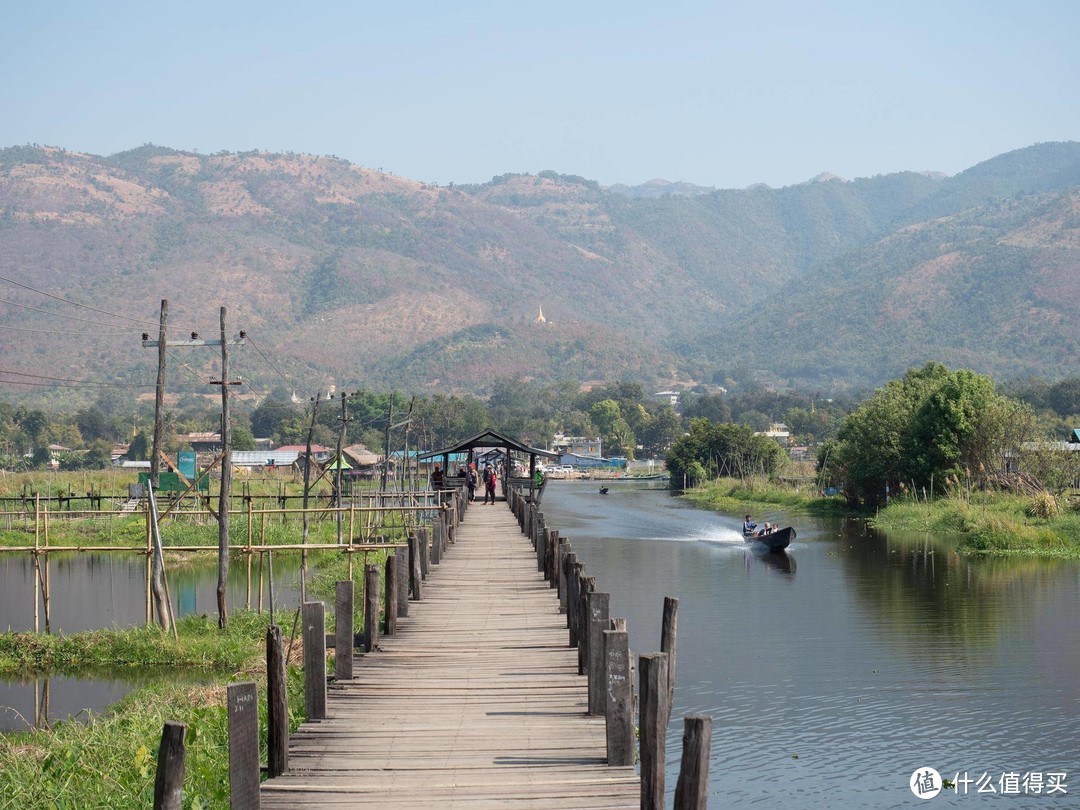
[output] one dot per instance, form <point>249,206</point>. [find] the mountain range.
<point>350,275</point>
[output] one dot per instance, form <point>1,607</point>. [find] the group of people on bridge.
<point>489,476</point>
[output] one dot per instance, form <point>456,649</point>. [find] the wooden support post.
<point>667,641</point>
<point>692,789</point>
<point>314,660</point>
<point>569,558</point>
<point>551,543</point>
<point>573,597</point>
<point>618,704</point>
<point>391,594</point>
<point>652,687</point>
<point>539,539</point>
<point>561,551</point>
<point>599,621</point>
<point>437,542</point>
<point>343,630</point>
<point>277,705</point>
<point>526,527</point>
<point>402,567</point>
<point>588,585</point>
<point>243,703</point>
<point>425,550</point>
<point>169,779</point>
<point>371,608</point>
<point>416,578</point>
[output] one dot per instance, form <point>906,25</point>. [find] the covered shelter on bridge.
<point>487,441</point>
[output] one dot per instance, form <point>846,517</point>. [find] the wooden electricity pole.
<point>307,491</point>
<point>158,450</point>
<point>226,478</point>
<point>337,476</point>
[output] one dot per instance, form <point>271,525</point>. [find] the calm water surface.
<point>92,591</point>
<point>834,671</point>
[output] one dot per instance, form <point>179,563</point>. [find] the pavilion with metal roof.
<point>493,440</point>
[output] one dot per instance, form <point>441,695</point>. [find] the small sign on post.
<point>243,703</point>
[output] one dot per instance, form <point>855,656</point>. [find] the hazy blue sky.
<point>724,94</point>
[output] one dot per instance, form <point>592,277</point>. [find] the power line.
<point>67,380</point>
<point>288,382</point>
<point>73,303</point>
<point>56,314</point>
<point>54,332</point>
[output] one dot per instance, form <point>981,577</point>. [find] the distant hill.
<point>347,274</point>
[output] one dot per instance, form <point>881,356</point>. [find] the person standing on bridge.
<point>489,484</point>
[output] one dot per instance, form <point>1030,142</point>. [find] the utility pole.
<point>226,478</point>
<point>386,444</point>
<point>159,396</point>
<point>307,490</point>
<point>337,476</point>
<point>226,469</point>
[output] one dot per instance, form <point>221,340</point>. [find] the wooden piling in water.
<point>692,789</point>
<point>343,630</point>
<point>314,614</point>
<point>618,703</point>
<point>652,689</point>
<point>588,585</point>
<point>169,779</point>
<point>667,641</point>
<point>573,597</point>
<point>599,621</point>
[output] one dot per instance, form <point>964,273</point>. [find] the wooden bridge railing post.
<point>667,641</point>
<point>539,539</point>
<point>551,543</point>
<point>371,607</point>
<point>599,621</point>
<point>619,714</point>
<point>588,585</point>
<point>391,594</point>
<point>416,577</point>
<point>243,707</point>
<point>277,705</point>
<point>343,630</point>
<point>402,568</point>
<point>573,597</point>
<point>692,789</point>
<point>561,551</point>
<point>169,778</point>
<point>425,550</point>
<point>438,529</point>
<point>569,558</point>
<point>652,688</point>
<point>314,618</point>
<point>542,551</point>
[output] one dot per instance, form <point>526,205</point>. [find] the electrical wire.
<point>75,304</point>
<point>80,382</point>
<point>288,382</point>
<point>53,332</point>
<point>56,314</point>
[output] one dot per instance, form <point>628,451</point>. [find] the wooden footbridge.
<point>475,701</point>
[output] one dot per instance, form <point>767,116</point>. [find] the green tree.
<point>242,439</point>
<point>139,449</point>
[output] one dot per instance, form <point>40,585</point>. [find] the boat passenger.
<point>748,526</point>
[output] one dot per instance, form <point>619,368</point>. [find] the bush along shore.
<point>108,759</point>
<point>985,522</point>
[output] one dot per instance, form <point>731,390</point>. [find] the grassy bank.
<point>739,497</point>
<point>109,761</point>
<point>991,523</point>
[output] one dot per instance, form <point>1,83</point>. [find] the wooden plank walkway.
<point>475,702</point>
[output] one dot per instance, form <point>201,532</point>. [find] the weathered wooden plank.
<point>475,702</point>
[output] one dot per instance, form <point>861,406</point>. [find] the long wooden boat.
<point>776,540</point>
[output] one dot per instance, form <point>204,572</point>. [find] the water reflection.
<point>886,653</point>
<point>39,702</point>
<point>89,591</point>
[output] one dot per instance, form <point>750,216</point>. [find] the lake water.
<point>836,670</point>
<point>105,590</point>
